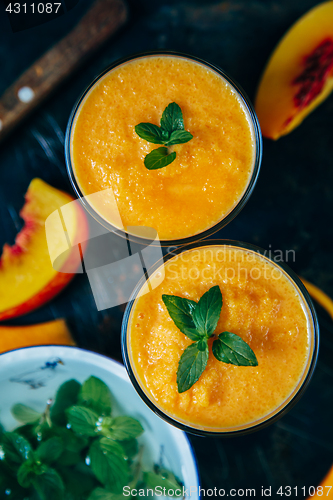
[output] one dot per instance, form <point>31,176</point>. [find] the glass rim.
<point>293,397</point>
<point>233,212</point>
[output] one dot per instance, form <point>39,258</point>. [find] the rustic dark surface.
<point>291,207</point>
<point>97,25</point>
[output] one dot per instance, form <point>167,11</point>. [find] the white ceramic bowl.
<point>32,375</point>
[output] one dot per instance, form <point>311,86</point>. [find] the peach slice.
<point>299,74</point>
<point>319,296</point>
<point>53,332</point>
<point>325,488</point>
<point>27,278</point>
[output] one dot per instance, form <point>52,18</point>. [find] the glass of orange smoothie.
<point>212,173</point>
<point>265,306</point>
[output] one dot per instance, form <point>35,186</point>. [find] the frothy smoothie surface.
<point>260,304</point>
<point>210,173</point>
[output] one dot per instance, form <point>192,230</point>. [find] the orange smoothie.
<point>211,172</point>
<point>260,304</point>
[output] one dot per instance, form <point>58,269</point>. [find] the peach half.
<point>299,74</point>
<point>27,278</point>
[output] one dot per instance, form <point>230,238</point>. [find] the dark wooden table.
<point>291,207</point>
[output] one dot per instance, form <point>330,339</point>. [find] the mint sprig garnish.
<point>75,449</point>
<point>172,131</point>
<point>198,321</point>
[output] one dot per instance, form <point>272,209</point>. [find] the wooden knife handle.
<point>99,23</point>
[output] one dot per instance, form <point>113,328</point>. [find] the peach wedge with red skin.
<point>299,74</point>
<point>27,278</point>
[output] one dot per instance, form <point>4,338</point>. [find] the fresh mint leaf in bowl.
<point>79,438</point>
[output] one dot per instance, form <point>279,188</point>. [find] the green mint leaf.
<point>83,420</point>
<point>98,462</point>
<point>165,135</point>
<point>179,137</point>
<point>25,474</point>
<point>68,458</point>
<point>151,133</point>
<point>131,447</point>
<point>123,428</point>
<point>192,334</point>
<point>166,473</point>
<point>159,158</point>
<point>172,118</point>
<point>202,344</point>
<point>208,310</point>
<point>36,432</point>
<point>25,414</point>
<point>181,311</point>
<point>110,468</point>
<point>192,363</point>
<point>105,423</point>
<point>49,451</point>
<point>66,396</point>
<point>102,494</point>
<point>8,482</point>
<point>230,348</point>
<point>153,481</point>
<point>26,431</point>
<point>78,484</point>
<point>29,432</point>
<point>96,395</point>
<point>49,485</point>
<point>17,449</point>
<point>71,441</point>
<point>169,133</point>
<point>109,446</point>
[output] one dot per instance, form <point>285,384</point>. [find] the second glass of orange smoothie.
<point>213,174</point>
<point>263,302</point>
